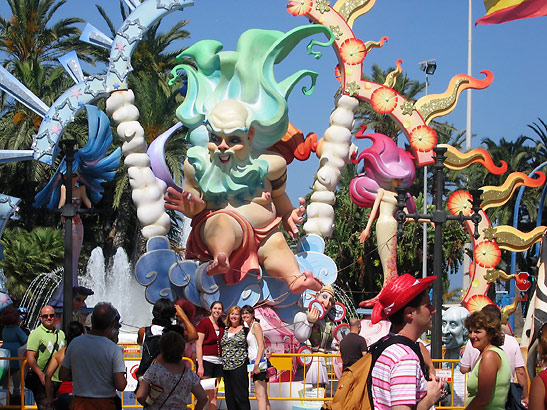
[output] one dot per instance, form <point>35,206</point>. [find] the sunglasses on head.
<point>50,316</point>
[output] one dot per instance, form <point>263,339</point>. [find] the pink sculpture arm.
<point>290,220</point>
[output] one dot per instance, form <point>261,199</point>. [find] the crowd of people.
<point>84,368</point>
<point>403,374</point>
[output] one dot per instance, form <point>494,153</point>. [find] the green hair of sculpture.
<point>245,75</point>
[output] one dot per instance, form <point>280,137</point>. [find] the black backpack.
<point>150,350</point>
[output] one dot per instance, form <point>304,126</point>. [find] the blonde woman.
<point>234,361</point>
<point>255,340</point>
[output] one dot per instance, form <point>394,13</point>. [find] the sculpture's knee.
<point>218,224</point>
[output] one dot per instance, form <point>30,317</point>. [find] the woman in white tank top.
<point>255,340</point>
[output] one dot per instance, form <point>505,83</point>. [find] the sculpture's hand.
<point>295,217</point>
<point>364,235</point>
<point>184,202</point>
<point>313,315</point>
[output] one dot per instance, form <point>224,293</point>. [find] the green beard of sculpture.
<point>238,181</point>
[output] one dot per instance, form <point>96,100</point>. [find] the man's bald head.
<point>47,316</point>
<point>354,325</point>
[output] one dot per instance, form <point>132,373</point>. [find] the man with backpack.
<point>393,373</point>
<point>399,375</point>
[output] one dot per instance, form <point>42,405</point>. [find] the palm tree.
<point>32,43</point>
<point>541,145</point>
<point>30,39</point>
<point>157,103</point>
<point>28,254</point>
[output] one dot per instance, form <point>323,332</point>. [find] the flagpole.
<point>466,280</point>
<point>468,134</point>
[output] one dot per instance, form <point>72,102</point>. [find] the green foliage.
<point>27,254</point>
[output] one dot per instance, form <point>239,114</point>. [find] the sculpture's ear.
<point>251,133</point>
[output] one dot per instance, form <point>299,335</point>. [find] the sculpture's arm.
<point>84,197</point>
<point>277,175</point>
<point>303,326</point>
<point>188,201</point>
<point>62,198</point>
<point>373,214</point>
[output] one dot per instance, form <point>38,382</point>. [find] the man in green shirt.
<point>42,344</point>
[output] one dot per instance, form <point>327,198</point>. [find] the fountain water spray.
<point>116,284</point>
<point>38,294</point>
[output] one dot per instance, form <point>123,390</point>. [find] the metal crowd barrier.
<point>292,389</point>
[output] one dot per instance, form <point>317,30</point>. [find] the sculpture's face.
<point>229,135</point>
<point>326,300</point>
<point>454,332</point>
<point>225,147</point>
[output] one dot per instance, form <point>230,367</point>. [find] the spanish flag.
<point>502,11</point>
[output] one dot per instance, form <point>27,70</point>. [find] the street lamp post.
<point>68,211</point>
<point>438,217</point>
<point>428,67</point>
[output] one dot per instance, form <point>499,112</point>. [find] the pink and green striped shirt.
<point>397,378</point>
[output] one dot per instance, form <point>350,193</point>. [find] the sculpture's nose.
<point>223,146</point>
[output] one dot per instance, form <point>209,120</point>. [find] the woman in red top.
<point>538,398</point>
<point>208,350</point>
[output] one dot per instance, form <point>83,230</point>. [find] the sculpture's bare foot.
<point>370,302</point>
<point>220,265</point>
<point>304,282</point>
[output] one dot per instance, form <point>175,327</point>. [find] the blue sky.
<point>418,30</point>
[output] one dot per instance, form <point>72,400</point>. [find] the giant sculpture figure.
<point>454,335</point>
<point>234,187</point>
<point>386,167</point>
<point>91,167</point>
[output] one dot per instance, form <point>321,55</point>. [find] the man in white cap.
<point>398,379</point>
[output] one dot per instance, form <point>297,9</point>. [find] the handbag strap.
<point>44,370</point>
<point>173,389</point>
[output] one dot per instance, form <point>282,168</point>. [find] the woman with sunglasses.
<point>234,361</point>
<point>208,350</point>
<point>538,389</point>
<point>255,340</point>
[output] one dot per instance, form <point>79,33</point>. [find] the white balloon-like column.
<point>335,150</point>
<point>147,190</point>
